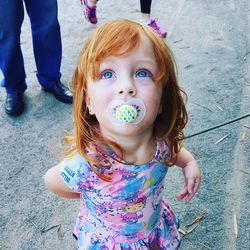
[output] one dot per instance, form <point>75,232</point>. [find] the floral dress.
<point>127,213</point>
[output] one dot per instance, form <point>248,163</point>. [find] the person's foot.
<point>161,32</point>
<point>89,12</point>
<point>61,92</point>
<point>14,104</point>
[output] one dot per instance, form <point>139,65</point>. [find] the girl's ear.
<point>91,110</point>
<point>89,105</point>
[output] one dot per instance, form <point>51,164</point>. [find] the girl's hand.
<point>192,178</point>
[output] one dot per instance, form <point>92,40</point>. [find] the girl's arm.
<point>191,172</point>
<point>56,185</point>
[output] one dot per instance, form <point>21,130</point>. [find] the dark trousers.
<point>46,39</point>
<point>145,6</point>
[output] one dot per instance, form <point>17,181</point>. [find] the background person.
<point>89,8</point>
<point>47,48</point>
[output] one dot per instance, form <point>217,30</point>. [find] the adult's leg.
<point>147,20</point>
<point>145,6</point>
<point>11,58</point>
<point>46,40</point>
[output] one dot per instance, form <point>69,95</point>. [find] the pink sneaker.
<point>89,12</point>
<point>161,32</point>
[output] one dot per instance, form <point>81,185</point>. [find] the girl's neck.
<point>137,150</point>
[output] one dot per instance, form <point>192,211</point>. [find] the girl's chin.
<point>126,130</point>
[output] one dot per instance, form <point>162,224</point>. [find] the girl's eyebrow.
<point>145,60</point>
<point>140,62</point>
<point>107,63</point>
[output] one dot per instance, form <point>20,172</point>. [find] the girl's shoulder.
<point>73,169</point>
<point>75,161</point>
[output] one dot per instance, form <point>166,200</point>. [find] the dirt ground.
<point>210,40</point>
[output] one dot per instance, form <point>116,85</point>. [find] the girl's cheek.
<point>144,81</point>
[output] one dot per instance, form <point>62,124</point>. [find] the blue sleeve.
<point>73,171</point>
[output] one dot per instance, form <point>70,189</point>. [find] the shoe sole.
<point>164,35</point>
<point>15,114</point>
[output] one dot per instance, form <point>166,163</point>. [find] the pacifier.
<point>121,112</point>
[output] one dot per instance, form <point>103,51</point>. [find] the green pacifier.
<point>126,113</point>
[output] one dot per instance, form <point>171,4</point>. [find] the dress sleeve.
<point>163,152</point>
<point>166,150</point>
<point>73,171</point>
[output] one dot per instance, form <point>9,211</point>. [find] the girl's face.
<point>124,77</point>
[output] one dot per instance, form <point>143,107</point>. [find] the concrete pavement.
<point>210,40</point>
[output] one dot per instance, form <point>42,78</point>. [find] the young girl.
<point>128,120</point>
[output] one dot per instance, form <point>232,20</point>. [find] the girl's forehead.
<point>119,47</point>
<point>143,50</point>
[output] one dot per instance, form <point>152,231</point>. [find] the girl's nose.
<point>127,88</point>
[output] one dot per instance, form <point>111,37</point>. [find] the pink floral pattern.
<point>127,213</point>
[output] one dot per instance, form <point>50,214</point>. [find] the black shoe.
<point>14,105</point>
<point>61,92</point>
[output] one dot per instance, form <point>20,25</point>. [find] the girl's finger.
<point>196,185</point>
<point>190,195</point>
<point>182,194</point>
<point>190,185</point>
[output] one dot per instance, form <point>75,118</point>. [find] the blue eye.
<point>143,73</point>
<point>107,75</point>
